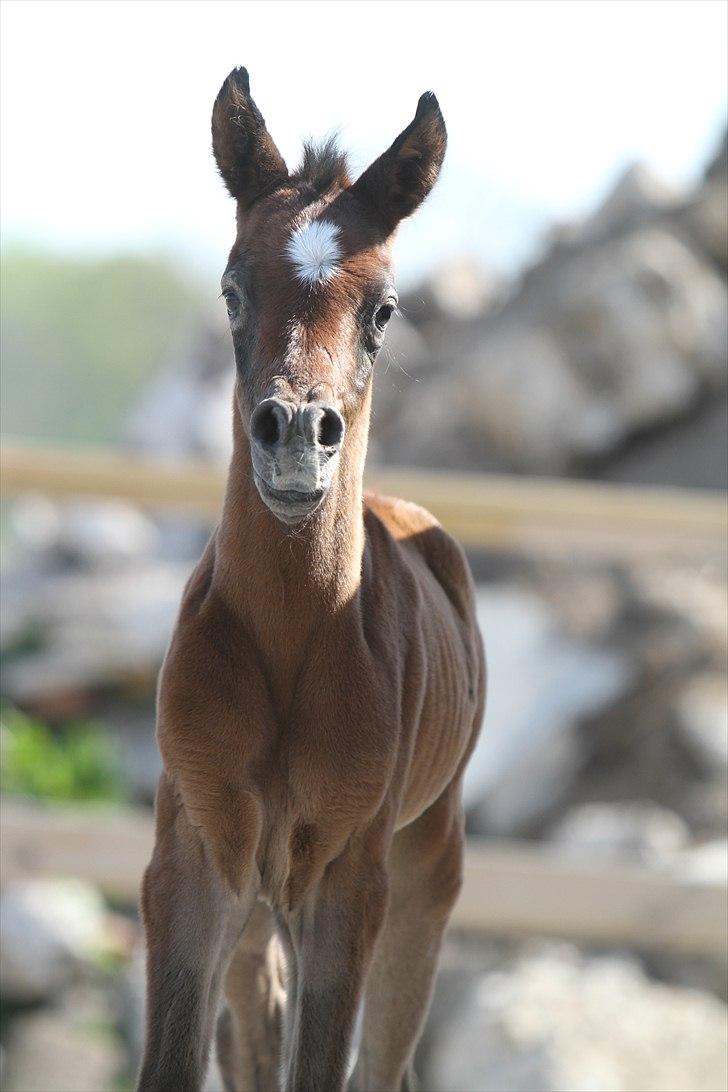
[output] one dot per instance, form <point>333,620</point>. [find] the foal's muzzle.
<point>295,449</point>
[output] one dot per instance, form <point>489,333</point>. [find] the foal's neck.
<point>277,576</point>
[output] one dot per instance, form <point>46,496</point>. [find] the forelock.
<point>324,167</point>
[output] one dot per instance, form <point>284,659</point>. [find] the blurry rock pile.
<point>609,357</point>
<point>550,1019</point>
<point>606,683</point>
<point>58,945</point>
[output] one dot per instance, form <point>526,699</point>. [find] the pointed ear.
<point>399,181</point>
<point>247,158</point>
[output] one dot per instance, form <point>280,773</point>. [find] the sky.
<point>105,108</point>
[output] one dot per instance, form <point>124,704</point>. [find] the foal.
<point>324,685</point>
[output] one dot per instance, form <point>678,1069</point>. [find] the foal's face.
<point>309,289</point>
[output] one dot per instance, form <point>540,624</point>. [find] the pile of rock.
<point>617,333</point>
<point>607,684</point>
<point>553,1019</point>
<point>59,1025</point>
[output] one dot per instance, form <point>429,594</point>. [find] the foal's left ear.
<point>246,155</point>
<point>399,181</point>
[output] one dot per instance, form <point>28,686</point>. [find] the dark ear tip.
<point>427,104</point>
<point>238,79</point>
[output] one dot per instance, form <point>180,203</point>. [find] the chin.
<point>290,506</point>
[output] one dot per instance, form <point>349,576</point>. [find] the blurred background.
<point>555,388</point>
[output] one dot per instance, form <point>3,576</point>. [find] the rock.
<point>706,863</point>
<point>705,215</point>
<point>643,319</point>
<point>692,452</point>
<point>694,593</point>
<point>50,928</point>
<point>637,196</point>
<point>667,619</point>
<point>540,684</point>
<point>588,599</point>
<point>599,344</point>
<point>97,628</point>
<point>702,720</point>
<point>705,806</point>
<point>133,729</point>
<point>404,362</point>
<point>72,1046</point>
<point>96,533</point>
<point>717,168</point>
<point>637,832</point>
<point>531,416</point>
<point>187,409</point>
<point>558,1022</point>
<point>86,533</point>
<point>459,289</point>
<point>35,522</point>
<point>705,219</point>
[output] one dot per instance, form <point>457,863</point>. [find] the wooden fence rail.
<point>510,890</point>
<point>504,512</point>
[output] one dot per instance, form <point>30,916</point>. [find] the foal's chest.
<point>327,772</point>
<point>306,824</point>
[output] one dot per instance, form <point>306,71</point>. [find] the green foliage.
<point>79,338</point>
<point>77,763</point>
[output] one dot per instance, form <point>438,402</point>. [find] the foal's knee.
<point>150,893</point>
<point>374,898</point>
<point>445,879</point>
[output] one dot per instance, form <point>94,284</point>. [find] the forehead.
<point>307,250</point>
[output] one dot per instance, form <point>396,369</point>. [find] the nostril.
<point>331,428</point>
<point>266,429</point>
<point>268,424</point>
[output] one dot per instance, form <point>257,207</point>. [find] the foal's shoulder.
<point>402,518</point>
<point>413,527</point>
<point>416,531</point>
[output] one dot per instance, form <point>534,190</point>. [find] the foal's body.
<point>319,701</point>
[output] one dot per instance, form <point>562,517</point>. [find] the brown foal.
<point>324,685</point>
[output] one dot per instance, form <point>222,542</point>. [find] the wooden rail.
<point>502,512</point>
<point>510,889</point>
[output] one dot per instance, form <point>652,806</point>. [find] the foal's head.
<point>309,288</point>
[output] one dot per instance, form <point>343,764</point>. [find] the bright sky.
<point>105,109</point>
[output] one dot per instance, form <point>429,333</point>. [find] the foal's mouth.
<point>289,505</point>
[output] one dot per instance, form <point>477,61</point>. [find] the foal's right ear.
<point>247,158</point>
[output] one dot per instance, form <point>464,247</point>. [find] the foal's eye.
<point>383,315</point>
<point>231,302</point>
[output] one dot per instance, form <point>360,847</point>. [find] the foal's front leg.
<point>425,872</point>
<point>192,920</point>
<point>334,933</point>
